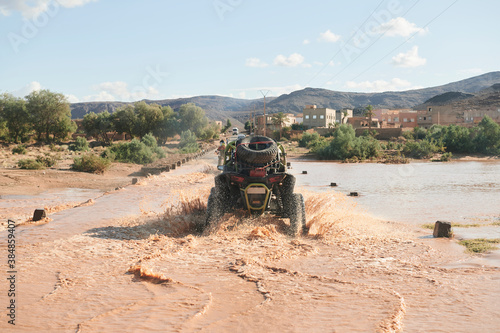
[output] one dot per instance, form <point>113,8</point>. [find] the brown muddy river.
<point>130,262</point>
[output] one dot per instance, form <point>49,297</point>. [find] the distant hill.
<point>447,97</point>
<point>221,108</point>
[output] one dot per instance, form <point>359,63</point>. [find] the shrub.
<point>345,145</point>
<point>135,152</point>
<point>81,144</point>
<point>420,149</point>
<point>90,163</point>
<point>56,148</point>
<point>21,150</point>
<point>30,164</point>
<point>308,137</point>
<point>446,157</point>
<point>188,143</point>
<point>47,161</point>
<point>149,140</point>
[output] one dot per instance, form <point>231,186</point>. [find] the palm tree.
<point>279,119</point>
<point>369,113</point>
<point>344,116</point>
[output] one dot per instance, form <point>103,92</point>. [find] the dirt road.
<point>131,262</point>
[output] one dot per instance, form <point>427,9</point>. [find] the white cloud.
<point>306,41</point>
<point>26,90</point>
<point>329,37</point>
<point>33,8</point>
<point>380,85</point>
<point>409,59</point>
<point>293,60</point>
<point>119,91</point>
<point>255,62</point>
<point>399,26</point>
<point>306,65</point>
<point>72,98</point>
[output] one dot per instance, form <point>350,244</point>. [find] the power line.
<point>369,46</point>
<point>352,36</point>
<point>397,47</point>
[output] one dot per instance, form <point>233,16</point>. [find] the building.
<point>318,117</point>
<point>341,116</point>
<point>408,119</point>
<point>270,126</point>
<point>456,114</point>
<point>362,122</point>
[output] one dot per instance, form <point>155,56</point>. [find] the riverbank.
<point>294,152</point>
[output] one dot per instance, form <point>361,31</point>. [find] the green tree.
<point>98,125</point>
<point>279,119</point>
<point>192,118</point>
<point>124,120</point>
<point>345,145</point>
<point>64,128</point>
<point>17,120</point>
<point>149,118</point>
<point>458,139</point>
<point>168,127</point>
<point>249,126</point>
<point>369,113</point>
<point>488,137</point>
<point>50,113</point>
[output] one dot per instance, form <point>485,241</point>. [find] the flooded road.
<point>131,262</point>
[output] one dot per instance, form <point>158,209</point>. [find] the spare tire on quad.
<point>257,149</point>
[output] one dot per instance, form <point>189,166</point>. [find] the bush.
<point>308,137</point>
<point>47,161</point>
<point>21,150</point>
<point>188,143</point>
<point>56,148</point>
<point>446,157</point>
<point>81,144</point>
<point>90,163</point>
<point>345,145</point>
<point>420,149</point>
<point>30,164</point>
<point>135,152</point>
<point>149,140</point>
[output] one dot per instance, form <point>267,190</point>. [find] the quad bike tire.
<point>214,211</point>
<point>296,213</point>
<point>252,156</point>
<point>305,229</point>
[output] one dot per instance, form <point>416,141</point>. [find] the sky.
<point>110,50</point>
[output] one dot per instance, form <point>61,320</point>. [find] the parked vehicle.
<point>235,131</point>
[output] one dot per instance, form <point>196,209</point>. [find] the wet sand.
<point>131,262</point>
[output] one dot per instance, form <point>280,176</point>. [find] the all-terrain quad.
<point>254,178</point>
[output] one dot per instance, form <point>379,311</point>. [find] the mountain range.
<point>221,108</point>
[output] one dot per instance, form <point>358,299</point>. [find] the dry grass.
<point>480,245</point>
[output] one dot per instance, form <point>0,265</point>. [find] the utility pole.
<point>265,119</point>
<point>253,121</point>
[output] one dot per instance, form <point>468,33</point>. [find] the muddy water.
<point>417,193</point>
<point>128,263</point>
